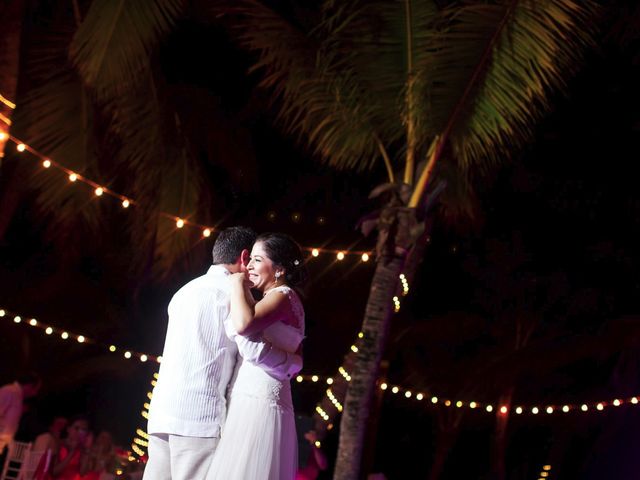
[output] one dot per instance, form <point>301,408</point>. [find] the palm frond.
<point>319,102</point>
<point>160,173</point>
<point>113,45</point>
<point>379,44</point>
<point>55,117</point>
<point>492,70</point>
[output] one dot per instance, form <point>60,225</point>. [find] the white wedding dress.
<point>258,440</point>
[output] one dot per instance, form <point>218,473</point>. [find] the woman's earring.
<point>277,275</point>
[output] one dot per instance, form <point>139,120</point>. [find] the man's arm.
<point>273,360</point>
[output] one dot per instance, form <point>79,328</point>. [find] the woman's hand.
<point>239,278</point>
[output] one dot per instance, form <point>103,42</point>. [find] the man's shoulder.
<point>208,281</point>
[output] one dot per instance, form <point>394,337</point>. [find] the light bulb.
<point>206,232</point>
<point>99,191</point>
<point>340,255</point>
<point>125,203</point>
<point>46,163</point>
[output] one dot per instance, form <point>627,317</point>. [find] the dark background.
<point>565,212</point>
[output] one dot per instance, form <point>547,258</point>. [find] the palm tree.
<point>440,91</point>
<point>12,14</point>
<point>96,100</point>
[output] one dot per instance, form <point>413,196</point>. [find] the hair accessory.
<point>296,262</point>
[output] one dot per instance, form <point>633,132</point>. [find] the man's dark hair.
<point>28,378</point>
<point>230,243</point>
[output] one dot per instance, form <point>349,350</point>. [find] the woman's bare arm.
<point>248,317</point>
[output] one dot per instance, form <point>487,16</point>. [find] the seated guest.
<point>72,460</point>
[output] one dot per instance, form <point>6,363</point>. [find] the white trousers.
<point>172,457</point>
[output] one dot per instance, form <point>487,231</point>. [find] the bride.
<point>258,440</point>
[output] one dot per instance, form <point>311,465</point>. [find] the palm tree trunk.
<point>11,14</point>
<point>448,428</point>
<point>357,405</point>
<point>498,468</point>
<point>368,456</point>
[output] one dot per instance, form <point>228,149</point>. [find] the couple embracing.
<point>222,344</point>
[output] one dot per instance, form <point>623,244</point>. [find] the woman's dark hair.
<point>283,251</point>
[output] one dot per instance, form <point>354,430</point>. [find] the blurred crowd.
<point>68,450</point>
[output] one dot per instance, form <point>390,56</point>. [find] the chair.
<point>36,463</point>
<point>15,463</point>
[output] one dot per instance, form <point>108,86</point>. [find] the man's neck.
<point>231,267</point>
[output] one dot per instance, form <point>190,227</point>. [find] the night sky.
<point>554,246</point>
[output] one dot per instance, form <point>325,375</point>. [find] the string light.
<point>7,102</point>
<point>126,202</point>
<point>141,438</point>
<point>474,405</point>
<point>64,335</point>
<point>544,474</point>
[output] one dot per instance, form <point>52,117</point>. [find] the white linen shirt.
<point>198,360</point>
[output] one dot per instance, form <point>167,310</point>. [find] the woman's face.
<point>78,430</point>
<point>261,269</point>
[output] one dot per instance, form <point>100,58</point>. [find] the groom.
<point>188,407</point>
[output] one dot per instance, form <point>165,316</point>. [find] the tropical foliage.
<point>439,91</point>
